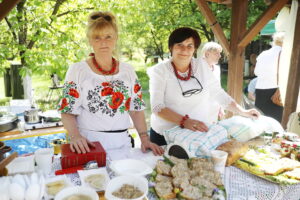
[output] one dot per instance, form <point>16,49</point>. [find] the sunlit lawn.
<point>41,84</point>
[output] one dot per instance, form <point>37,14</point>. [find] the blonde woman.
<point>101,94</point>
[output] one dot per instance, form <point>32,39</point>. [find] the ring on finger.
<point>194,125</point>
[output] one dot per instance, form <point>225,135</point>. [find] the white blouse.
<point>101,103</point>
<point>266,68</point>
<point>215,106</point>
<point>165,91</point>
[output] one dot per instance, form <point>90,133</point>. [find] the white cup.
<point>43,159</point>
<point>219,159</point>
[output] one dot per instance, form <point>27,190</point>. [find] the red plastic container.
<point>70,159</point>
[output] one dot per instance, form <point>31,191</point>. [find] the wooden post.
<point>294,74</point>
<point>6,6</point>
<point>236,57</point>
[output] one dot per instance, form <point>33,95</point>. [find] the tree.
<point>43,34</point>
<point>47,36</point>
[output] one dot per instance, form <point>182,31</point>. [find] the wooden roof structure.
<point>235,48</point>
<point>241,37</point>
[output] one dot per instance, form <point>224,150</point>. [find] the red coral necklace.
<point>180,77</point>
<point>111,71</point>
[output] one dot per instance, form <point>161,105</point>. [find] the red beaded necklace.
<point>111,71</point>
<point>180,77</point>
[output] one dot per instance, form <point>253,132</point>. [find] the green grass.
<point>40,84</point>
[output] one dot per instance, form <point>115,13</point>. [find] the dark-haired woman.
<point>101,94</point>
<point>182,89</point>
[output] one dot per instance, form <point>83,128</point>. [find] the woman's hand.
<point>147,144</point>
<point>195,125</point>
<point>80,144</point>
<point>251,113</point>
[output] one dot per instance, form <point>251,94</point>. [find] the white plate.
<point>84,173</point>
<point>77,190</point>
<point>116,183</point>
<point>130,167</point>
<point>56,178</point>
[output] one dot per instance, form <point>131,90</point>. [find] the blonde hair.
<point>278,38</point>
<point>99,20</point>
<point>211,46</point>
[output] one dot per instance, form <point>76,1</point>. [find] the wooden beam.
<point>215,26</point>
<point>6,6</point>
<point>294,76</point>
<point>221,1</point>
<point>261,22</point>
<point>237,58</point>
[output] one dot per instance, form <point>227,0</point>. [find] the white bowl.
<point>130,167</point>
<point>77,190</point>
<point>116,183</point>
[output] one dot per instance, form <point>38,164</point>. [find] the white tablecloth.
<point>239,184</point>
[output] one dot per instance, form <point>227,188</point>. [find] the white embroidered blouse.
<point>101,103</point>
<point>166,91</point>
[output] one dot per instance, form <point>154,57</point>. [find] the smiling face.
<point>184,50</point>
<point>103,41</point>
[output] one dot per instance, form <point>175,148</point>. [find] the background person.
<point>182,88</point>
<point>101,93</point>
<point>266,71</point>
<point>251,89</point>
<point>211,53</point>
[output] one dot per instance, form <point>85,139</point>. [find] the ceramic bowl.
<point>116,183</point>
<point>67,192</point>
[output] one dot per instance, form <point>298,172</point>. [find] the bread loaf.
<point>235,150</point>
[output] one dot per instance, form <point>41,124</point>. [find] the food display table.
<point>239,184</point>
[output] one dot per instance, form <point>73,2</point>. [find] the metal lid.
<point>6,117</point>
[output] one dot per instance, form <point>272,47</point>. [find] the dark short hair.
<point>183,33</point>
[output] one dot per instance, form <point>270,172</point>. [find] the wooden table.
<point>17,134</point>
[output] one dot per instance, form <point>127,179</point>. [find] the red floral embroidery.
<point>116,100</point>
<point>74,93</point>
<point>64,103</point>
<point>106,91</point>
<point>105,84</point>
<point>137,88</point>
<point>127,104</point>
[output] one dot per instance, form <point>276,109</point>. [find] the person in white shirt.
<point>266,71</point>
<point>101,94</point>
<point>211,53</point>
<point>182,88</point>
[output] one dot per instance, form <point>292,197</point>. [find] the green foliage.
<point>47,36</point>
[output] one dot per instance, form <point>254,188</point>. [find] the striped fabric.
<point>197,144</point>
<point>244,129</point>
